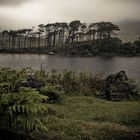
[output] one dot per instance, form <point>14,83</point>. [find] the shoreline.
<point>51,53</point>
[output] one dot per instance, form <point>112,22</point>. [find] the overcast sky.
<point>26,13</point>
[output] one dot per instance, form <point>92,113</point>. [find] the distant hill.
<point>130,30</point>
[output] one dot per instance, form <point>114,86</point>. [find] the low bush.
<point>53,93</point>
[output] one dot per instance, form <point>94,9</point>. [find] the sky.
<point>15,14</point>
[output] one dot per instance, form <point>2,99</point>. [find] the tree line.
<point>53,34</point>
<point>102,37</point>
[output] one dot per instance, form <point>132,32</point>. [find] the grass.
<point>90,118</point>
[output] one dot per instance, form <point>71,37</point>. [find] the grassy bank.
<point>40,105</point>
<point>89,118</point>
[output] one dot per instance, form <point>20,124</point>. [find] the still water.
<point>95,65</point>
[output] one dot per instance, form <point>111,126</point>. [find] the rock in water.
<point>118,86</point>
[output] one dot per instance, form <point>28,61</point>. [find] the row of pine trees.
<point>56,34</point>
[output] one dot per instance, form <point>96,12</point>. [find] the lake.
<point>95,65</point>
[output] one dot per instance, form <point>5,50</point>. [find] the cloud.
<point>86,10</point>
<point>97,10</point>
<point>132,1</point>
<point>26,13</point>
<point>12,2</point>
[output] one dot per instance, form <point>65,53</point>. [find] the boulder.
<point>118,86</point>
<point>51,53</point>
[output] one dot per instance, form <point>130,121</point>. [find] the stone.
<point>51,53</point>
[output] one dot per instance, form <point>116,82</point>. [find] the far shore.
<point>42,51</point>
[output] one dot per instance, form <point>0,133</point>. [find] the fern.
<point>22,112</point>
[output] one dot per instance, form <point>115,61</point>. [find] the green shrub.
<point>53,93</point>
<point>70,81</point>
<point>40,75</point>
<point>22,113</point>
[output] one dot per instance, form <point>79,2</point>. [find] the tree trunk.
<point>9,41</point>
<point>2,42</point>
<point>39,41</point>
<point>72,36</point>
<point>45,41</point>
<point>49,40</point>
<point>30,42</point>
<point>13,42</point>
<point>54,39</point>
<point>19,38</point>
<point>6,41</point>
<point>93,39</point>
<point>24,42</point>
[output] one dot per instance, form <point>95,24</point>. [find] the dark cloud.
<point>12,2</point>
<point>16,14</point>
<point>137,1</point>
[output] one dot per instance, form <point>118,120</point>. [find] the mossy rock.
<point>119,86</point>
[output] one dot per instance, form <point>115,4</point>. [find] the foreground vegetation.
<point>74,38</point>
<point>89,118</point>
<point>67,106</point>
